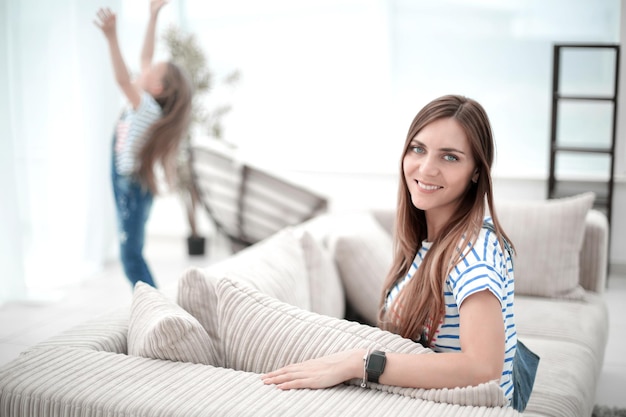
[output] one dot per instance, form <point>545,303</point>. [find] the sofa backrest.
<point>594,259</point>
<point>359,247</point>
<point>593,255</point>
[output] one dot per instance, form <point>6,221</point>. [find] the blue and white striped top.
<point>485,267</point>
<point>130,134</point>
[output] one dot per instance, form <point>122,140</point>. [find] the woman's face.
<point>438,168</point>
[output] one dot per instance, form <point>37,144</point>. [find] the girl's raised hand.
<point>105,20</point>
<point>156,5</point>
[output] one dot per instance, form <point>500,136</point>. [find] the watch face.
<point>376,362</point>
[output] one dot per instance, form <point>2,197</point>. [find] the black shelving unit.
<point>562,186</point>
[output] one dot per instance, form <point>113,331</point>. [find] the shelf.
<point>582,153</point>
<point>583,98</point>
<point>581,149</point>
<point>587,45</point>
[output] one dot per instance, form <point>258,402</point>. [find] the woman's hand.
<point>323,372</point>
<point>106,21</point>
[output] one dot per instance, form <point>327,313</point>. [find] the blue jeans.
<point>525,364</point>
<point>132,203</point>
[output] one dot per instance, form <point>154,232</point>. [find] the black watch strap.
<point>375,365</point>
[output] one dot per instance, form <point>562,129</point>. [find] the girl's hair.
<point>420,305</point>
<point>166,134</point>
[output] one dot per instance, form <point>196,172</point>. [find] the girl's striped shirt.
<point>131,132</point>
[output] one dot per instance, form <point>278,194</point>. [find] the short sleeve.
<point>482,268</point>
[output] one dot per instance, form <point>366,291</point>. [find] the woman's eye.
<point>417,149</point>
<point>450,158</point>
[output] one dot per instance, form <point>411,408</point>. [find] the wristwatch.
<point>375,365</point>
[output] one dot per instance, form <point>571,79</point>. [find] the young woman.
<point>147,133</point>
<point>450,286</point>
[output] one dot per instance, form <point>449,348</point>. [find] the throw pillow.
<point>326,289</point>
<point>260,334</point>
<point>160,329</point>
<point>548,237</point>
<point>197,295</point>
<point>363,252</point>
<point>274,266</point>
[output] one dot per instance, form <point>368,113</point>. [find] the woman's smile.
<point>427,187</point>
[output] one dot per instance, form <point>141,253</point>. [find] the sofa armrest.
<point>594,253</point>
<point>107,333</point>
<point>62,381</point>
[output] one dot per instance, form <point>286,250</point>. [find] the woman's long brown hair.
<point>421,302</point>
<point>165,135</point>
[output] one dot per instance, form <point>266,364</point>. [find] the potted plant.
<point>186,52</point>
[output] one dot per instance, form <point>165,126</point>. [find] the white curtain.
<point>61,106</point>
<point>11,260</point>
<point>58,112</point>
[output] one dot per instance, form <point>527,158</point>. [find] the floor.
<point>25,323</point>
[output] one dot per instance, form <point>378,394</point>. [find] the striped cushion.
<point>566,379</point>
<point>548,238</point>
<point>196,294</point>
<point>326,288</point>
<point>565,320</point>
<point>160,329</point>
<point>363,252</point>
<point>274,266</point>
<point>260,334</point>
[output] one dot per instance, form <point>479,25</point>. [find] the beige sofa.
<point>198,350</point>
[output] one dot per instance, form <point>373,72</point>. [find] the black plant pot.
<point>195,245</point>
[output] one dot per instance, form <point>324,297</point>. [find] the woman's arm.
<point>106,21</point>
<point>147,51</point>
<point>480,360</point>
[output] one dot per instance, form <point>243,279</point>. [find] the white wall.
<point>327,92</point>
<point>360,162</point>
